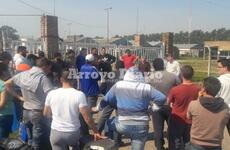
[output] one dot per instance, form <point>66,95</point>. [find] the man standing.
<point>34,86</point>
<point>209,115</point>
<point>129,59</point>
<point>20,57</point>
<point>132,97</point>
<point>172,65</point>
<point>144,66</point>
<point>89,78</point>
<point>105,65</point>
<point>179,98</point>
<point>223,67</point>
<point>162,81</point>
<point>80,60</point>
<point>64,105</point>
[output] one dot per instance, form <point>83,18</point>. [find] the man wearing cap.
<point>89,78</point>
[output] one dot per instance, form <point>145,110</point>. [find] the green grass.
<point>200,67</point>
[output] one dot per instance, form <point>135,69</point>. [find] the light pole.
<point>107,10</point>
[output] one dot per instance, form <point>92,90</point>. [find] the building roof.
<point>188,46</point>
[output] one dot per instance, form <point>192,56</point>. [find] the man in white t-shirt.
<point>20,56</point>
<point>223,67</point>
<point>64,105</point>
<point>172,65</point>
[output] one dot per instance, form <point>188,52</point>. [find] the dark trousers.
<point>158,119</point>
<point>6,122</point>
<point>105,115</point>
<point>92,101</point>
<point>179,133</point>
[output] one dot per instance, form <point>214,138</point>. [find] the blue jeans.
<point>190,146</point>
<point>5,126</point>
<point>37,128</point>
<point>137,133</point>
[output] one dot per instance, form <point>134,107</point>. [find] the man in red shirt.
<point>129,59</point>
<point>179,99</point>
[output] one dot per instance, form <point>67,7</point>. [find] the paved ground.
<point>150,143</point>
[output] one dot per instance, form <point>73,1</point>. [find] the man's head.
<point>169,57</point>
<point>65,78</point>
<point>211,86</point>
<point>187,72</point>
<point>223,66</point>
<point>143,59</point>
<point>44,64</point>
<point>89,58</point>
<point>41,54</point>
<point>158,64</point>
<point>83,51</point>
<point>22,50</point>
<point>103,51</point>
<point>94,51</point>
<point>5,57</point>
<point>128,52</point>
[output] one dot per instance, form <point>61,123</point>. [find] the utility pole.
<point>54,6</point>
<point>107,10</point>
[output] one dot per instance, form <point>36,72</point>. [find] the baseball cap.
<point>89,57</point>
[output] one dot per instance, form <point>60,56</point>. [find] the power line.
<point>62,18</point>
<point>81,24</point>
<point>34,7</point>
<point>20,15</point>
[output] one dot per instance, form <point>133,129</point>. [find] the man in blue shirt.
<point>89,78</point>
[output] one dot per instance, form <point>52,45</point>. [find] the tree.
<point>9,34</point>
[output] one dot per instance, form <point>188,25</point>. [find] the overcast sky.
<point>89,17</point>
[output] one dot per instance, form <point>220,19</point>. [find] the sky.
<point>127,17</point>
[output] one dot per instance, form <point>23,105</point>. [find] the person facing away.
<point>64,106</point>
<point>209,115</point>
<point>172,65</point>
<point>129,59</point>
<point>163,81</point>
<point>80,60</point>
<point>179,98</point>
<point>132,96</point>
<point>223,67</point>
<point>34,86</point>
<point>89,78</point>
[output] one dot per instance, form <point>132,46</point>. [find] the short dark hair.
<point>158,64</point>
<point>3,68</point>
<point>127,51</point>
<point>5,56</point>
<point>65,77</point>
<point>211,85</point>
<point>41,54</point>
<point>187,72</point>
<point>225,63</point>
<point>42,62</point>
<point>21,48</point>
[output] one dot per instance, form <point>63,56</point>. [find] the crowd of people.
<point>57,109</point>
